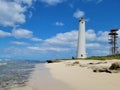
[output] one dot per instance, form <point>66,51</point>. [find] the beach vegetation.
<point>109,57</point>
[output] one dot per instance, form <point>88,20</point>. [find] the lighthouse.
<point>81,50</point>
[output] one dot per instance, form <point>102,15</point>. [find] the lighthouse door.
<point>81,55</point>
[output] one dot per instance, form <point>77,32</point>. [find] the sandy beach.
<point>42,79</point>
<point>68,76</point>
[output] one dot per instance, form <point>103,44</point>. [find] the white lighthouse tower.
<point>81,53</point>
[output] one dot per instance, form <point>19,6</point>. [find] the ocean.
<point>15,72</point>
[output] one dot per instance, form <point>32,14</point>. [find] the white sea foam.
<point>2,64</point>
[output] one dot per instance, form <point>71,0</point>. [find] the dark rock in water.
<point>49,61</point>
<point>115,66</point>
<point>53,61</point>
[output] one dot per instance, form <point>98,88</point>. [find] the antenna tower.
<point>113,35</point>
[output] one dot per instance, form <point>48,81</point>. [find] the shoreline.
<point>15,73</point>
<point>69,75</point>
<point>41,79</point>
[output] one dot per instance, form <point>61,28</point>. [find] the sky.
<point>48,29</point>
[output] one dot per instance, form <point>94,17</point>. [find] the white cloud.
<point>90,35</point>
<point>4,34</point>
<point>36,39</point>
<point>103,36</point>
<point>59,24</point>
<point>59,43</point>
<point>18,43</point>
<point>93,45</point>
<point>30,14</point>
<point>16,51</point>
<point>78,14</point>
<point>118,33</point>
<point>67,38</point>
<point>52,2</point>
<point>22,33</point>
<point>12,12</point>
<point>100,36</point>
<point>28,2</point>
<point>101,52</point>
<point>70,38</point>
<point>55,49</point>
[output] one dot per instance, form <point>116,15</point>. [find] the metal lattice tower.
<point>113,41</point>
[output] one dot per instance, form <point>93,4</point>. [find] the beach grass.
<point>109,57</point>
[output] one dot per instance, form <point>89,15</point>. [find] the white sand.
<point>65,77</point>
<point>83,78</point>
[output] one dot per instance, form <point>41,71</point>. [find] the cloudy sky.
<point>48,29</point>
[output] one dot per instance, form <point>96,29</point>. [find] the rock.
<point>49,61</point>
<point>91,63</point>
<point>75,63</point>
<point>53,61</point>
<point>97,63</point>
<point>102,70</point>
<point>115,66</point>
